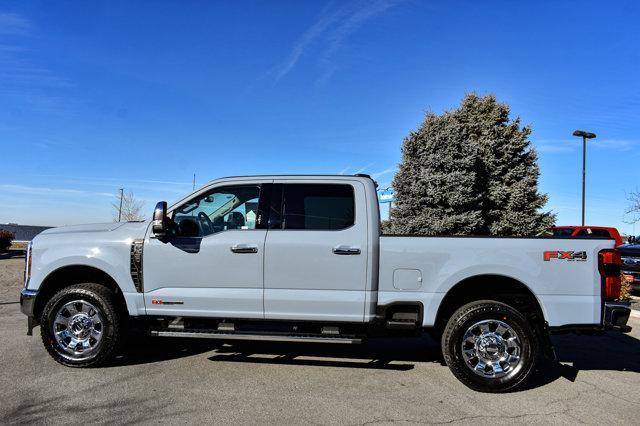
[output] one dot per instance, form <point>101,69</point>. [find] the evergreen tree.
<point>469,171</point>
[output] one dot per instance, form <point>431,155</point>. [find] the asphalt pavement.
<point>158,380</point>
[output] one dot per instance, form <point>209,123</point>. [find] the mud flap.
<point>545,340</point>
<point>31,324</point>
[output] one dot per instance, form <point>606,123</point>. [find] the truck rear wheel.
<point>81,325</point>
<point>490,347</point>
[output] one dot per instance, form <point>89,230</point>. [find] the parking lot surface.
<point>382,382</point>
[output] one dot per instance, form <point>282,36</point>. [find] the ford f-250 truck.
<point>302,258</point>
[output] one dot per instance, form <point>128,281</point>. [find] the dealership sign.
<point>385,196</point>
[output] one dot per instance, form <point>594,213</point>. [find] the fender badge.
<point>565,255</point>
<point>162,302</point>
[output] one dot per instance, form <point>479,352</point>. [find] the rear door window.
<point>317,206</point>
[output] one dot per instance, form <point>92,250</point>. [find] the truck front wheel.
<point>490,347</point>
<point>81,325</point>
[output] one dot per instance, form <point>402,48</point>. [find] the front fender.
<point>111,257</point>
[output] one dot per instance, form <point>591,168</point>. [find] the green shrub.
<point>6,238</point>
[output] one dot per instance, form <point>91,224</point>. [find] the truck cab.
<point>276,249</point>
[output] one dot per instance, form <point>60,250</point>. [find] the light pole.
<point>120,209</point>
<point>585,136</point>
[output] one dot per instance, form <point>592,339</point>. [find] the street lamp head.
<point>586,135</point>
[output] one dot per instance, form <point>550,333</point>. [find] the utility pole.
<point>194,182</point>
<point>585,136</point>
<point>120,209</point>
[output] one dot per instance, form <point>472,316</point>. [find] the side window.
<point>222,209</point>
<point>317,206</point>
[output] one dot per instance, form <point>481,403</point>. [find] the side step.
<point>263,337</point>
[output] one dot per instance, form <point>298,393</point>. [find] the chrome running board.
<point>264,337</point>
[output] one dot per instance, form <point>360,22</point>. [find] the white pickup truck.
<point>302,258</point>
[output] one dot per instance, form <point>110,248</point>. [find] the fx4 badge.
<point>565,255</point>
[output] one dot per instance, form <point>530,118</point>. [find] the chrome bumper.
<point>616,315</point>
<point>27,304</point>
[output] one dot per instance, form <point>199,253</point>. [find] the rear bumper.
<point>616,316</point>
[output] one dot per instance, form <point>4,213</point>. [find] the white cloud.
<point>575,144</point>
<point>14,24</point>
<point>615,144</point>
<point>331,30</point>
<point>554,148</point>
<point>349,25</point>
<point>307,38</point>
<point>41,190</point>
<point>376,175</point>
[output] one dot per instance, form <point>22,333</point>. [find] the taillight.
<point>609,262</point>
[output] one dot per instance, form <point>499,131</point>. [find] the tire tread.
<point>458,366</point>
<point>114,319</point>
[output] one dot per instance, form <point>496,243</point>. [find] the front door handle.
<point>244,248</point>
<point>346,250</point>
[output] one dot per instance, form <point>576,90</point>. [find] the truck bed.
<point>426,268</point>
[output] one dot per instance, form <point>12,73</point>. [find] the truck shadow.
<point>142,349</point>
<point>382,354</point>
<point>613,351</point>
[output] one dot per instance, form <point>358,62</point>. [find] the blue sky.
<point>95,96</point>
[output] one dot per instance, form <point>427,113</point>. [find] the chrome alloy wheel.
<point>78,328</point>
<point>491,349</point>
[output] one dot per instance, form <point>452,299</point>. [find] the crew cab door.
<point>212,265</point>
<point>316,251</point>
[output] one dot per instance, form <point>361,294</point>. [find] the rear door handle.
<point>244,248</point>
<point>346,250</point>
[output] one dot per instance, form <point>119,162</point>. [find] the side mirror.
<point>631,239</point>
<point>160,221</point>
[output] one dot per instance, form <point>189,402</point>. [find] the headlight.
<point>27,265</point>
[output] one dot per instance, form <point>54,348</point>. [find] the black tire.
<point>111,319</point>
<point>490,313</point>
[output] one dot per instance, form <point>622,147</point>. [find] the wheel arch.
<point>498,287</point>
<point>68,275</point>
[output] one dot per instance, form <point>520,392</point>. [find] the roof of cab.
<point>293,176</point>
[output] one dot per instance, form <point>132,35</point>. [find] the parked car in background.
<point>630,253</point>
<point>588,232</point>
